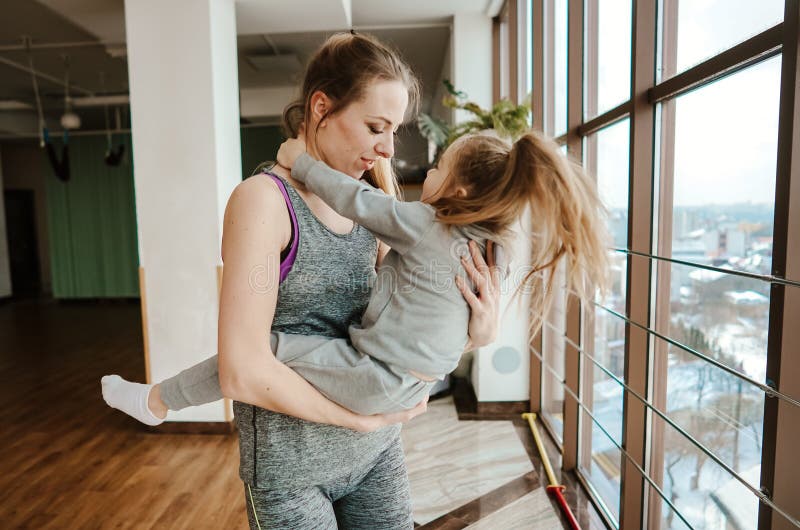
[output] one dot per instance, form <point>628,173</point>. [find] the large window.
<point>606,157</point>
<point>705,28</point>
<point>717,211</point>
<point>555,65</point>
<point>553,348</point>
<point>526,59</point>
<point>505,55</point>
<point>684,381</point>
<point>607,55</point>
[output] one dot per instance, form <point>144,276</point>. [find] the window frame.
<point>651,111</point>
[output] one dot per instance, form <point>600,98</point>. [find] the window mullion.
<point>780,467</point>
<point>536,62</point>
<point>574,148</point>
<point>640,234</point>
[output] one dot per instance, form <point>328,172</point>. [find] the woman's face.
<point>352,139</point>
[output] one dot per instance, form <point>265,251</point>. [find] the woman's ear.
<point>461,192</point>
<point>320,107</point>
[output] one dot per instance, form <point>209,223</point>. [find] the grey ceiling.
<point>423,47</point>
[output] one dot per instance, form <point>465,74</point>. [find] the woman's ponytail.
<point>293,118</point>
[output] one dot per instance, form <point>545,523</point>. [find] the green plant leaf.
<point>508,119</point>
<point>452,90</point>
<point>433,129</point>
<point>475,109</point>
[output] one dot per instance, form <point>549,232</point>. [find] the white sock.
<point>130,398</point>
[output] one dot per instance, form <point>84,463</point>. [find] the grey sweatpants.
<point>356,381</point>
<point>375,497</point>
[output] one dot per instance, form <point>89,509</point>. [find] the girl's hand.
<point>290,150</point>
<point>485,304</point>
<point>378,421</point>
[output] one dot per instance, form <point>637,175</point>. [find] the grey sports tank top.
<point>325,292</point>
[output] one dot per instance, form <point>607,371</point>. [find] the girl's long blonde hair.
<point>568,218</point>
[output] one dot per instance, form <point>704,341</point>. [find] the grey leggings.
<point>376,497</point>
<point>354,380</point>
<point>373,497</point>
<point>194,386</point>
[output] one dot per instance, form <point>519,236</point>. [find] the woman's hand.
<point>485,304</point>
<point>378,421</point>
<point>290,150</point>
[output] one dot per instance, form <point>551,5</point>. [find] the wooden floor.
<point>68,460</point>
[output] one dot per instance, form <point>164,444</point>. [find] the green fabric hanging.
<point>92,224</point>
<point>259,144</point>
<point>92,218</point>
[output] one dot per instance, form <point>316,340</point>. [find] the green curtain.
<point>92,217</point>
<point>92,223</point>
<point>259,144</point>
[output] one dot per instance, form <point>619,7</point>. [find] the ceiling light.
<point>70,120</point>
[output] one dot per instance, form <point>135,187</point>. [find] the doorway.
<point>22,243</point>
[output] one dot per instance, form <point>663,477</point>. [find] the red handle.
<point>558,493</point>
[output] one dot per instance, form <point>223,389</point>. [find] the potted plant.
<point>507,119</point>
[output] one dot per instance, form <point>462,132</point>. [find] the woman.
<point>300,474</point>
<point>305,461</point>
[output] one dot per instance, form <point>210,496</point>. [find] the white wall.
<point>501,370</point>
<point>182,69</point>
<point>225,98</point>
<point>266,101</point>
<point>5,267</point>
<point>438,110</point>
<point>472,59</point>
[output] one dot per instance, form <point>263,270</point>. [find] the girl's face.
<point>352,140</point>
<point>435,185</point>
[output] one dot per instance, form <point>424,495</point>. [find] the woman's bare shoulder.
<point>257,197</point>
<point>257,207</point>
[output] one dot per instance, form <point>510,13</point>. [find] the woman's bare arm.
<point>383,249</point>
<point>253,235</point>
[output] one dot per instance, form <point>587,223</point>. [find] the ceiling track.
<point>46,77</point>
<point>59,46</point>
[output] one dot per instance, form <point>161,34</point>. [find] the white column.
<point>472,59</point>
<point>501,370</point>
<point>5,265</point>
<point>185,125</point>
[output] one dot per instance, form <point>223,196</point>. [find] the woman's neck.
<point>324,213</point>
<point>287,174</point>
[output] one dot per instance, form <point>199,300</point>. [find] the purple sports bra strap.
<point>288,262</point>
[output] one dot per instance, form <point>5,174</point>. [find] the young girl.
<point>415,327</point>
